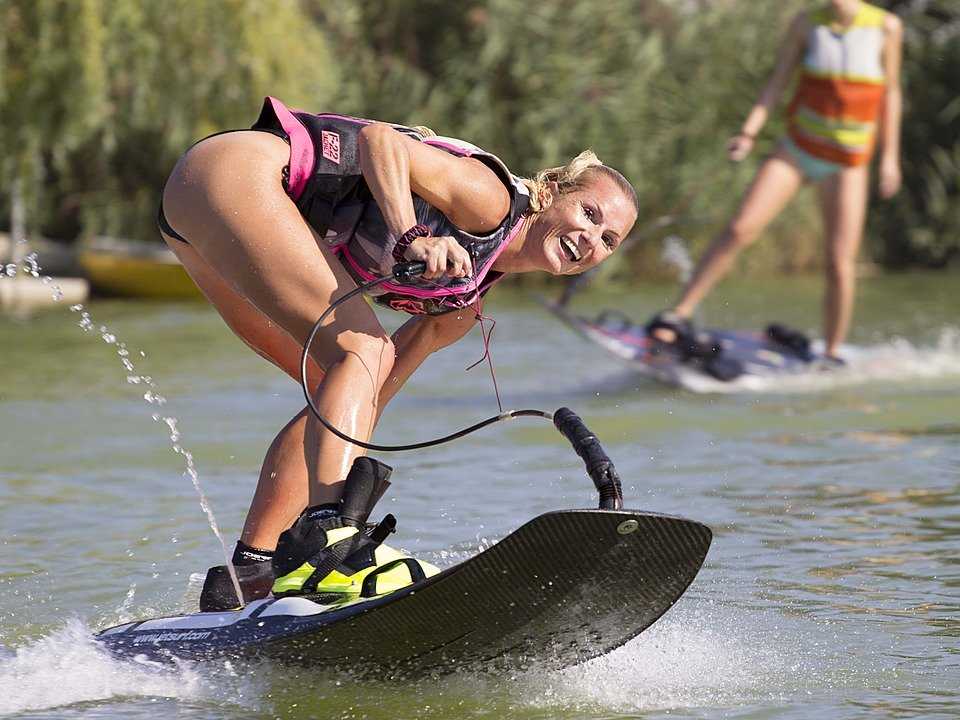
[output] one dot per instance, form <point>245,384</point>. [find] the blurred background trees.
<point>99,97</point>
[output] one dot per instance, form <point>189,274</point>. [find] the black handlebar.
<point>599,467</point>
<point>407,270</point>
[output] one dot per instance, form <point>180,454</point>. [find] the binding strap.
<point>369,588</point>
<point>340,552</point>
<point>332,557</point>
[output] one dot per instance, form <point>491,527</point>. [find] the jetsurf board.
<point>756,353</point>
<point>566,587</point>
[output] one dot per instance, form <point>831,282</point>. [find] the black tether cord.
<point>401,271</point>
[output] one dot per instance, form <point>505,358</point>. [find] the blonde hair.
<point>572,176</point>
<point>423,131</point>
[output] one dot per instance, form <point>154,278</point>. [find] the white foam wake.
<point>68,667</point>
<point>897,360</point>
<point>709,655</point>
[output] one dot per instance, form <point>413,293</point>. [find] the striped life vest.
<point>835,111</point>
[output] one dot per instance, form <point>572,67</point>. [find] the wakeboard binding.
<point>693,345</point>
<point>791,340</point>
<point>330,553</point>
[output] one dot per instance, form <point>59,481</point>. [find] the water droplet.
<point>31,265</point>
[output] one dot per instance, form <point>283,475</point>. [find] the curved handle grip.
<point>407,270</point>
<point>599,467</point>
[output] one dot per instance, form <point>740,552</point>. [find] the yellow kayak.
<point>135,269</point>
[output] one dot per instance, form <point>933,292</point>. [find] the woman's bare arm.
<point>464,189</point>
<point>889,134</point>
<point>791,51</point>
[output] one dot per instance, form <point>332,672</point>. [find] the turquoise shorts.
<point>813,168</point>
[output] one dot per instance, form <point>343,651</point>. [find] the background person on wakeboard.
<point>848,99</point>
<point>276,223</point>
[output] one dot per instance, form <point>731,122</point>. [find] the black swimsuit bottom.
<point>162,221</point>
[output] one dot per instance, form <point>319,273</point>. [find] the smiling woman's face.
<point>581,228</point>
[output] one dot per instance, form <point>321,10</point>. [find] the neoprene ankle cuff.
<point>319,512</point>
<point>243,554</point>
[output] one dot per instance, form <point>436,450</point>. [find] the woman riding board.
<point>848,99</point>
<point>276,223</point>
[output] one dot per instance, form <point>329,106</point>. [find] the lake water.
<point>832,587</point>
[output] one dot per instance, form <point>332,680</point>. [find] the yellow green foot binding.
<point>322,555</point>
<point>330,550</point>
<point>338,543</point>
<point>394,575</point>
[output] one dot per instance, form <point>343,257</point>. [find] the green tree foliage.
<point>99,97</point>
<point>52,85</point>
<point>921,225</point>
<point>654,87</point>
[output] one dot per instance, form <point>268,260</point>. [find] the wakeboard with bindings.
<point>566,587</point>
<point>716,355</point>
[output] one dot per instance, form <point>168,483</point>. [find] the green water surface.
<point>832,587</point>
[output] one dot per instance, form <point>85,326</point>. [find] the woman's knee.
<point>741,233</point>
<point>840,267</point>
<point>373,352</point>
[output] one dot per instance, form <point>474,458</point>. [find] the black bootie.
<point>324,536</point>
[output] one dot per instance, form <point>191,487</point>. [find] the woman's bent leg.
<point>777,180</point>
<point>282,490</point>
<point>226,198</point>
<point>283,487</point>
<point>843,199</point>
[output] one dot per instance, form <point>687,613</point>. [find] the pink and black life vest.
<point>324,180</point>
